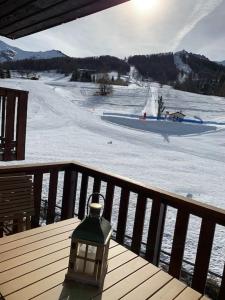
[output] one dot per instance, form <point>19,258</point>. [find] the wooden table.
<point>33,266</point>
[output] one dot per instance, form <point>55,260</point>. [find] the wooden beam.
<point>34,16</point>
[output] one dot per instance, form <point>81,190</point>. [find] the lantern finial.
<point>95,209</point>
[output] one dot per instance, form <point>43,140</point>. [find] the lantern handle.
<point>94,194</point>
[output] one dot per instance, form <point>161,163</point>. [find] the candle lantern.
<point>89,247</point>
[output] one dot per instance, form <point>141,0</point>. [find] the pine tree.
<point>2,75</point>
<point>161,107</point>
<point>8,73</point>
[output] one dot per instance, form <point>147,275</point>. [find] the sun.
<point>145,4</point>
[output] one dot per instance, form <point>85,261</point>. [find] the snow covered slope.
<point>8,53</point>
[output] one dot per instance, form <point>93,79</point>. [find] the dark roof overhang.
<point>25,17</point>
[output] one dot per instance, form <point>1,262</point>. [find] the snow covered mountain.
<point>9,53</point>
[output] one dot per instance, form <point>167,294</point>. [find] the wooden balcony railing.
<point>13,119</point>
<point>138,213</point>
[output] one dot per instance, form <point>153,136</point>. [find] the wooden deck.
<point>33,266</point>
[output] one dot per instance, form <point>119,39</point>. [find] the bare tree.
<point>105,86</point>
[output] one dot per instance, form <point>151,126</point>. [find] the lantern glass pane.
<point>81,250</point>
<point>90,267</point>
<point>80,265</point>
<point>91,253</point>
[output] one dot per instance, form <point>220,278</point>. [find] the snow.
<point>66,122</point>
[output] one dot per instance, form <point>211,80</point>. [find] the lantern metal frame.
<point>83,267</point>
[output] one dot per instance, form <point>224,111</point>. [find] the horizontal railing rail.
<point>135,210</point>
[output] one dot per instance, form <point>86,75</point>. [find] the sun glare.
<point>145,4</point>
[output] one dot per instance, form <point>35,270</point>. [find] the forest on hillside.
<point>158,67</point>
<point>67,65</point>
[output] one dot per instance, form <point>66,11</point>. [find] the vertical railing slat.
<point>109,201</point>
<point>96,189</point>
<point>155,233</point>
<point>38,180</point>
<point>3,118</point>
<point>53,183</point>
<point>179,239</point>
<point>122,218</point>
<point>203,255</point>
<point>138,223</point>
<point>9,125</point>
<point>69,194</point>
<point>21,125</point>
<point>222,287</point>
<point>83,196</point>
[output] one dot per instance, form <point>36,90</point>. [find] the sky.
<point>139,27</point>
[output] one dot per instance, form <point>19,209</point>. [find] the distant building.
<point>176,116</point>
<point>83,75</point>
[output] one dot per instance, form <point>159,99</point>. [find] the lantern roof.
<point>93,229</point>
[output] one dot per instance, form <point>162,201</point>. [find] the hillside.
<point>185,71</point>
<point>9,53</point>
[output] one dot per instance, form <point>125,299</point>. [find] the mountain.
<point>222,62</point>
<point>9,53</point>
<point>184,70</point>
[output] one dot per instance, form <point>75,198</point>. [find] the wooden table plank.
<point>30,278</point>
<point>169,291</point>
<point>26,263</point>
<point>31,256</point>
<point>149,287</point>
<point>37,245</point>
<point>111,279</point>
<point>24,234</point>
<point>189,294</point>
<point>37,237</point>
<point>124,286</point>
<point>34,283</point>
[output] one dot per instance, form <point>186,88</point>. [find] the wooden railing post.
<point>203,255</point>
<point>138,223</point>
<point>53,183</point>
<point>155,233</point>
<point>122,218</point>
<point>69,194</point>
<point>3,98</point>
<point>109,201</point>
<point>21,125</point>
<point>179,239</point>
<point>96,189</point>
<point>83,196</point>
<point>9,126</point>
<point>38,179</point>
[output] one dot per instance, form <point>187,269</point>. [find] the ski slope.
<point>65,123</point>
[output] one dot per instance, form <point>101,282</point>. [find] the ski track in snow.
<point>64,122</point>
